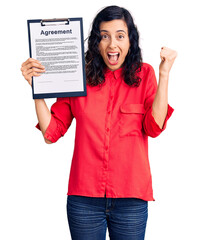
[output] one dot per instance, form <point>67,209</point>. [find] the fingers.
<point>163,53</point>
<point>31,68</point>
<point>34,72</point>
<point>167,54</point>
<point>31,63</point>
<point>162,56</point>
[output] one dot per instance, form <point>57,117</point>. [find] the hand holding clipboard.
<point>32,68</point>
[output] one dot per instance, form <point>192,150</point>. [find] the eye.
<point>104,36</point>
<point>121,36</point>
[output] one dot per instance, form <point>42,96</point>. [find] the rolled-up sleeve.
<point>150,126</point>
<point>61,119</point>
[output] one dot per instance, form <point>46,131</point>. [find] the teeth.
<point>113,57</point>
<point>113,54</point>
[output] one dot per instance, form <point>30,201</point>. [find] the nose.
<point>112,43</point>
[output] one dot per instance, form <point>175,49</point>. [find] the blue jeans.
<point>89,218</point>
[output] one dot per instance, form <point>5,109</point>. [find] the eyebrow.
<point>116,31</point>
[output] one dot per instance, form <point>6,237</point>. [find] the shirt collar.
<point>116,74</point>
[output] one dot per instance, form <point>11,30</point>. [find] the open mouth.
<point>113,58</point>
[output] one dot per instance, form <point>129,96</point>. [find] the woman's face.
<point>114,44</point>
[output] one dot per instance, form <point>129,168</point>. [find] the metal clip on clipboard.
<point>55,21</point>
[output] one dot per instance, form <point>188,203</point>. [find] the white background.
<point>34,175</point>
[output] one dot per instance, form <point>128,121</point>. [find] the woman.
<point>110,181</point>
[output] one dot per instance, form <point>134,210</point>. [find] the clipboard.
<point>59,45</point>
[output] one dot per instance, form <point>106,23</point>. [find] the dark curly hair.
<point>94,62</point>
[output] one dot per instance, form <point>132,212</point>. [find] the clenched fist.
<point>167,56</point>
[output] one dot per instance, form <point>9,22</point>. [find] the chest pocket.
<point>130,120</point>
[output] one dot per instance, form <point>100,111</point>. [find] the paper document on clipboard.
<point>58,44</point>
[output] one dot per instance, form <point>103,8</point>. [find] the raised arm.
<point>160,104</point>
<point>31,68</point>
<point>43,115</point>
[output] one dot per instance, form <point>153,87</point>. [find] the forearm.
<point>160,104</point>
<point>43,115</point>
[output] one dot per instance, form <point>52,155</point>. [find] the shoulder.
<point>63,100</point>
<point>146,68</point>
<point>147,75</point>
<point>147,72</point>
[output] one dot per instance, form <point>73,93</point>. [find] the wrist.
<point>163,75</point>
<point>38,100</point>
